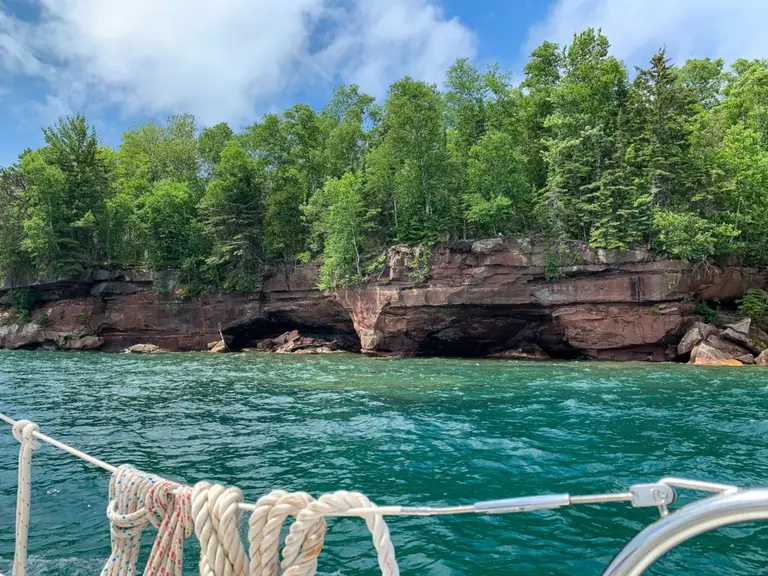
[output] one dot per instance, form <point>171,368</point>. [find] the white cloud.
<point>224,60</point>
<point>414,35</point>
<point>637,28</point>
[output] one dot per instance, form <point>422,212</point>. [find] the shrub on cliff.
<point>754,304</point>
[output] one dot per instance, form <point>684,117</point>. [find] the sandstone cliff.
<point>494,296</point>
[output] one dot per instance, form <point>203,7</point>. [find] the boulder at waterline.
<point>294,343</point>
<point>705,355</point>
<point>145,349</point>
<point>746,359</point>
<point>82,343</point>
<point>218,347</point>
<point>728,347</point>
<point>529,352</point>
<point>762,360</point>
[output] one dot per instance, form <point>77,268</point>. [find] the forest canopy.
<point>668,157</point>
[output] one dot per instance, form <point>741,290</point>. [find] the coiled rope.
<point>212,511</point>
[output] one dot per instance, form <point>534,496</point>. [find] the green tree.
<point>586,106</point>
<point>167,213</point>
<point>346,138</point>
<point>660,111</point>
<point>410,175</point>
<point>542,75</point>
<point>234,217</point>
<point>14,262</point>
<point>68,183</point>
<point>155,152</point>
<point>690,237</point>
<point>704,78</point>
<point>500,195</point>
<point>211,143</point>
<point>343,221</point>
<point>465,105</point>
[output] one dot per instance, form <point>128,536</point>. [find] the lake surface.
<point>416,432</point>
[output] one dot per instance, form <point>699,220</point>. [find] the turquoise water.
<point>417,432</point>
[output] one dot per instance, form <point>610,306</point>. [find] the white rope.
<point>300,553</point>
<point>266,524</point>
<point>24,432</point>
<point>213,511</point>
<point>127,516</point>
<point>216,514</point>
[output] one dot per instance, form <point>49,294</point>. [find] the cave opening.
<point>482,331</point>
<point>248,333</point>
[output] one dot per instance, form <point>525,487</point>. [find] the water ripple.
<point>421,431</point>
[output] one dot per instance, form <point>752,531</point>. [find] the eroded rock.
<point>762,359</point>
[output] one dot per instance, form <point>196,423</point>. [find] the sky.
<point>122,62</point>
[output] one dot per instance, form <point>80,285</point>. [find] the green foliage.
<point>500,194</point>
<point>233,212</point>
<point>411,173</point>
<point>65,199</point>
<point>553,272</point>
<point>22,302</point>
<point>417,263</point>
<point>754,304</point>
<point>705,310</point>
<point>343,223</point>
<point>83,318</point>
<point>43,321</point>
<point>586,106</point>
<point>674,161</point>
<point>690,237</point>
<point>166,215</point>
<point>211,143</point>
<point>14,263</point>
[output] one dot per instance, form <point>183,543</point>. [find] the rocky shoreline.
<point>501,298</point>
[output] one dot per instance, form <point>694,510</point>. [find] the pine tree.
<point>234,218</point>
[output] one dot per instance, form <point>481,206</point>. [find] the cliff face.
<point>480,298</point>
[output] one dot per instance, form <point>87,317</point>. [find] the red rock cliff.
<point>477,298</point>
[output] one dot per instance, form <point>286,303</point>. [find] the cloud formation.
<point>637,28</point>
<point>224,60</point>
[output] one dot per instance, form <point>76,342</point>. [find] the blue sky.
<point>122,62</point>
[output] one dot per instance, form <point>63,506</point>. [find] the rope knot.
<point>24,431</point>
